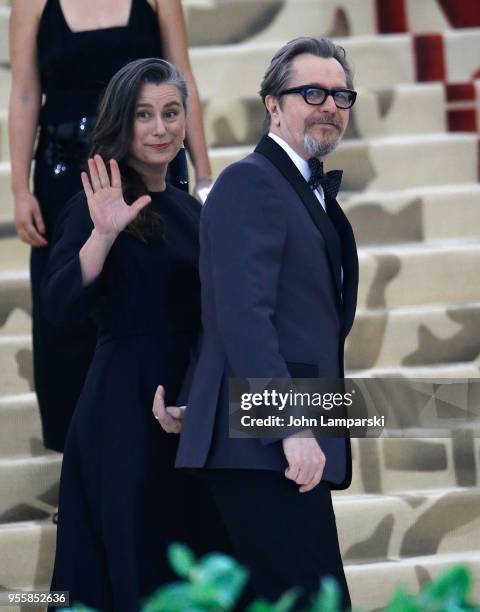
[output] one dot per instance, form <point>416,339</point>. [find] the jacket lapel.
<point>349,262</point>
<point>279,158</point>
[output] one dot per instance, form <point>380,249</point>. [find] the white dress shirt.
<point>302,166</point>
<point>305,171</point>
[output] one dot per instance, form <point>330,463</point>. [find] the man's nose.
<point>328,104</point>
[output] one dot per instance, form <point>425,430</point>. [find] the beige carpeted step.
<point>14,254</point>
<point>378,61</point>
<point>229,21</point>
<point>385,465</point>
<point>419,273</point>
<point>414,215</point>
<point>233,121</point>
<point>15,303</point>
<point>5,78</point>
<point>380,164</point>
<point>4,50</point>
<point>414,336</point>
<point>15,364</point>
<point>4,150</point>
<point>28,550</point>
<point>20,427</point>
<point>407,524</point>
<point>470,369</point>
<point>372,584</point>
<point>28,486</point>
<point>6,197</point>
<point>390,275</point>
<point>379,339</point>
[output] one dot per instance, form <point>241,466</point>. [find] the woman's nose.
<point>159,125</point>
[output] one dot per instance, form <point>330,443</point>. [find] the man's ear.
<point>272,106</point>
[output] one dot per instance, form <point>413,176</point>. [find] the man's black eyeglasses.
<point>343,98</point>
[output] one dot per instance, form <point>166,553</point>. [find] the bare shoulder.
<point>32,9</point>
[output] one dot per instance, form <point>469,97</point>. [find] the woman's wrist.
<point>103,240</point>
<point>21,190</point>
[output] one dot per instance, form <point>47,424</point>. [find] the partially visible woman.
<point>126,253</point>
<point>68,51</point>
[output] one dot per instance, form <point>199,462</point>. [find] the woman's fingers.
<point>102,171</point>
<point>29,234</point>
<point>87,188</point>
<point>115,172</point>
<point>38,218</point>
<point>141,203</point>
<point>94,178</point>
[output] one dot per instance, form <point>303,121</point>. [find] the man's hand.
<point>306,461</point>
<point>170,417</point>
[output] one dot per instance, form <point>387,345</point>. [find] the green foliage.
<point>215,583</point>
<point>329,598</point>
<point>448,593</point>
<point>181,559</point>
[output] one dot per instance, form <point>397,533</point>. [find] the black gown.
<point>74,69</point>
<point>121,500</point>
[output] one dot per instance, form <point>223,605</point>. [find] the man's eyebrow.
<point>323,86</point>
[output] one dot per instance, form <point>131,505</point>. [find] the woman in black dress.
<point>68,51</point>
<point>126,253</point>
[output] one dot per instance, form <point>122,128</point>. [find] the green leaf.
<point>287,600</point>
<point>402,601</point>
<point>175,597</point>
<point>181,559</point>
<point>329,597</point>
<point>454,585</point>
<point>261,605</point>
<point>228,576</point>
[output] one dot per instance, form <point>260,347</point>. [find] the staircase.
<point>411,191</point>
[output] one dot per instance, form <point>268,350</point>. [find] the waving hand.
<point>109,211</point>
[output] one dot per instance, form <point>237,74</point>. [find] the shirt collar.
<point>299,162</point>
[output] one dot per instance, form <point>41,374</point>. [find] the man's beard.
<point>317,148</point>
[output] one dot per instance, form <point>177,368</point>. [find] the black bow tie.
<point>330,181</point>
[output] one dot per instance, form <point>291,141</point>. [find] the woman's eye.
<point>171,114</point>
<point>143,114</point>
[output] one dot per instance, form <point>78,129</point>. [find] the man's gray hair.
<point>278,74</point>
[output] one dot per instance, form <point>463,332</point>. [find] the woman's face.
<point>158,126</point>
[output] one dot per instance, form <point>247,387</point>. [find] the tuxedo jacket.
<point>273,305</point>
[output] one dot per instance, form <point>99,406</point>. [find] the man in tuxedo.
<point>279,275</point>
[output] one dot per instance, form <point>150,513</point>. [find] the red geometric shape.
<point>462,13</point>
<point>460,92</point>
<point>462,120</point>
<point>391,16</point>
<point>429,57</point>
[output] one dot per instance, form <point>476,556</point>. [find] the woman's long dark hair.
<point>113,131</point>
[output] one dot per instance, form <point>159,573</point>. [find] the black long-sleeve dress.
<point>75,68</point>
<point>121,500</point>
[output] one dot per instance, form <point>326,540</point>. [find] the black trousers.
<point>285,538</point>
